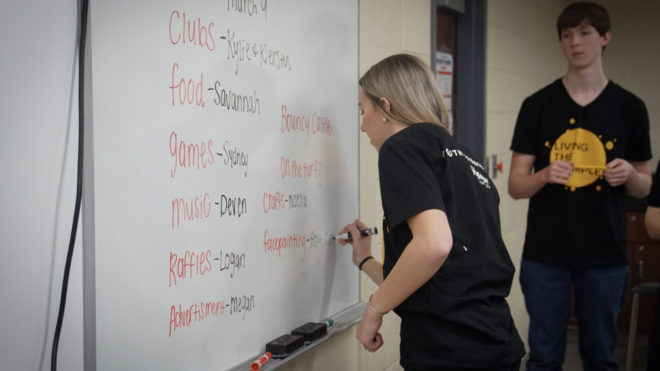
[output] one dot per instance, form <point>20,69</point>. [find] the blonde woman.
<point>446,270</point>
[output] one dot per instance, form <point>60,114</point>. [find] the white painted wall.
<point>522,55</point>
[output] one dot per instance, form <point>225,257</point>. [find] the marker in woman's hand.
<point>363,233</point>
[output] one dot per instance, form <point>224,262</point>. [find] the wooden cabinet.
<point>644,257</point>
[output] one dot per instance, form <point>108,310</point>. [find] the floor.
<point>574,363</point>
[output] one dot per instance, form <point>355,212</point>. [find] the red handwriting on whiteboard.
<point>191,155</point>
<point>198,207</point>
<point>305,123</point>
<point>185,316</point>
<point>278,243</point>
<point>273,201</point>
<point>292,123</point>
<point>186,91</point>
<point>300,169</point>
<point>279,201</point>
<point>185,31</point>
<point>188,265</point>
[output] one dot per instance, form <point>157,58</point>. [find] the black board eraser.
<point>311,331</point>
<point>285,345</point>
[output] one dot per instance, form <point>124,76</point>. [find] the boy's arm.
<point>523,183</point>
<point>635,176</point>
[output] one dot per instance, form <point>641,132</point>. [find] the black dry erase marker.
<point>363,233</point>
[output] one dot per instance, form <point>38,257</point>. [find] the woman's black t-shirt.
<point>460,317</point>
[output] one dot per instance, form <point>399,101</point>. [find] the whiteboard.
<point>225,138</point>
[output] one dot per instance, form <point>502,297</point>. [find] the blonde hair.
<point>410,87</point>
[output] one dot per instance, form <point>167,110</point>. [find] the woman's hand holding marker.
<point>367,332</point>
<point>361,245</point>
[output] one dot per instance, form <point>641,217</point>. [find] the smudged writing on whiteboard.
<point>318,240</point>
<point>297,201</point>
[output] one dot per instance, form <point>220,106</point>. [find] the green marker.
<point>329,322</point>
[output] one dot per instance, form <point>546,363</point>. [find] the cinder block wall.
<point>522,55</point>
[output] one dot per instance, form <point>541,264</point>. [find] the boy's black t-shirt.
<point>467,321</point>
<point>580,224</point>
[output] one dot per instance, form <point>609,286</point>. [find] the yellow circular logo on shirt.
<point>587,153</point>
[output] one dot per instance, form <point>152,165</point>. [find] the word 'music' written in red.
<point>190,209</point>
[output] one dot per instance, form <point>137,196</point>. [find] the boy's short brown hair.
<point>579,11</point>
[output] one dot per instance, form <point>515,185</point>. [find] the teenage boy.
<point>580,144</point>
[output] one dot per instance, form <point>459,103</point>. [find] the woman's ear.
<point>385,105</point>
